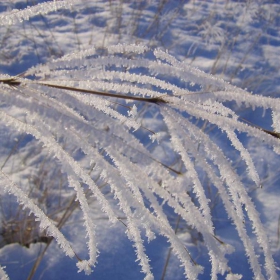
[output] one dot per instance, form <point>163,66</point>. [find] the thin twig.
<point>154,100</point>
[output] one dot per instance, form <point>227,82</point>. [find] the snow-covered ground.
<point>236,40</point>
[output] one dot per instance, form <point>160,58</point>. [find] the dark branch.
<point>13,82</point>
<point>272,133</point>
<point>154,100</point>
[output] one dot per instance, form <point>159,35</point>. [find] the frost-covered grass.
<point>157,161</point>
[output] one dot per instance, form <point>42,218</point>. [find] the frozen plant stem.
<point>14,82</point>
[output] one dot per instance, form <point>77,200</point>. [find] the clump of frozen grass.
<point>98,99</point>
